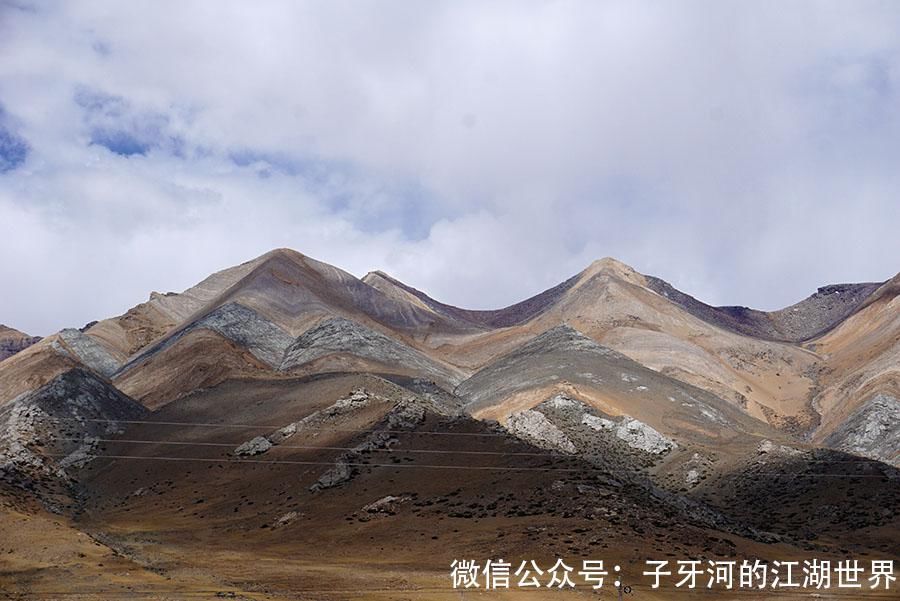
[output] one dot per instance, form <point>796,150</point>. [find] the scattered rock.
<point>692,477</point>
<point>255,446</point>
<point>387,505</point>
<point>340,473</point>
<point>640,436</point>
<point>286,519</point>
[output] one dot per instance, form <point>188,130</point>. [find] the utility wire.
<point>418,465</point>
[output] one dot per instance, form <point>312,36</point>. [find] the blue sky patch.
<point>14,148</point>
<point>116,125</point>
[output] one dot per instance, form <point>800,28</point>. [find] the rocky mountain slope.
<point>12,341</point>
<point>323,420</point>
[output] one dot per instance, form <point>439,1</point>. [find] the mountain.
<point>859,396</point>
<point>12,341</point>
<point>802,321</point>
<point>286,427</point>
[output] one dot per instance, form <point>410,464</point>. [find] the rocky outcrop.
<point>696,469</point>
<point>340,335</point>
<point>570,425</point>
<point>598,423</point>
<point>254,446</point>
<point>285,519</point>
<point>49,430</point>
<point>406,415</point>
<point>237,323</point>
<point>386,505</point>
<point>872,431</point>
<point>249,329</point>
<point>340,473</point>
<point>534,427</point>
<point>320,419</point>
<point>89,352</point>
<point>635,433</point>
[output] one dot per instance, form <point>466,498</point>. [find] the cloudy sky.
<point>746,152</point>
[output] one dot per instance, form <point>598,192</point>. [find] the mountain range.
<point>285,413</point>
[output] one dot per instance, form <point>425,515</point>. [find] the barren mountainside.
<point>12,341</point>
<point>285,422</point>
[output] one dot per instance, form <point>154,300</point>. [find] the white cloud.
<point>478,151</point>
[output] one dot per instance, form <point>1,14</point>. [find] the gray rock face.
<point>89,352</point>
<point>640,436</point>
<point>598,423</point>
<point>406,416</point>
<point>339,335</point>
<point>249,329</point>
<point>57,426</point>
<point>543,360</point>
<point>534,427</point>
<point>240,324</point>
<point>872,431</point>
<point>635,433</point>
<point>564,355</point>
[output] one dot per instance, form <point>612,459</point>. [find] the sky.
<point>746,152</point>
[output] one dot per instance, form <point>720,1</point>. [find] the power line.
<point>270,427</point>
<point>313,447</point>
<point>399,451</point>
<point>387,450</point>
<point>415,465</point>
<point>330,463</point>
<point>860,461</point>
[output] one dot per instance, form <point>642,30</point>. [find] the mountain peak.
<point>8,332</point>
<point>283,253</point>
<point>615,268</point>
<point>376,275</point>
